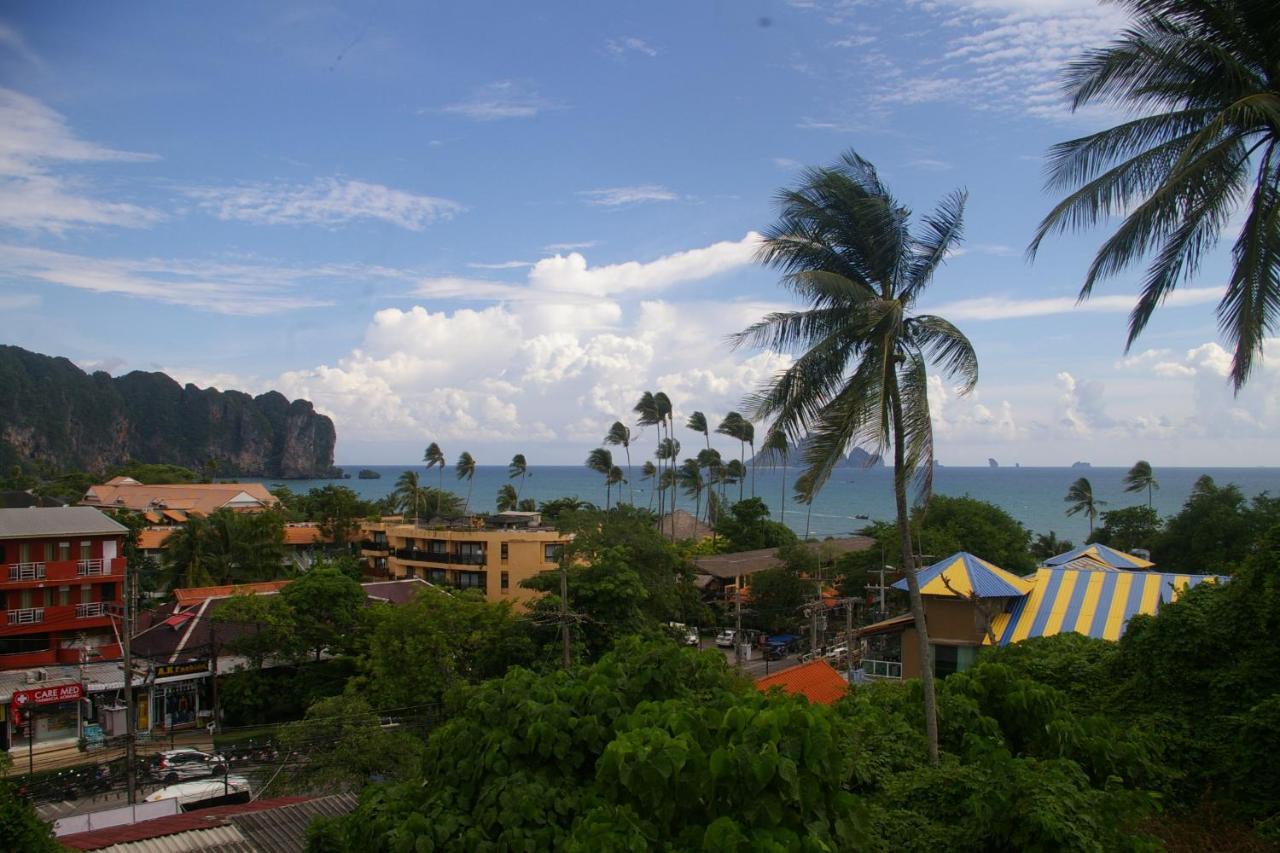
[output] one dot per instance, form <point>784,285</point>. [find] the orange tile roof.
<point>202,497</point>
<point>816,680</point>
<point>197,594</point>
<point>152,538</point>
<point>302,534</point>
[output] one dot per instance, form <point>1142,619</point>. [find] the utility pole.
<point>737,616</point>
<point>564,612</point>
<point>813,621</point>
<point>848,638</point>
<point>130,752</point>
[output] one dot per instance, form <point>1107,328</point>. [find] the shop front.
<point>39,716</point>
<point>180,697</point>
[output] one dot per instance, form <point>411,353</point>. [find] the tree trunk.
<point>782,505</point>
<point>909,570</point>
<point>630,479</point>
<point>753,469</point>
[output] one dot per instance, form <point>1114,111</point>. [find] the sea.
<point>852,498</point>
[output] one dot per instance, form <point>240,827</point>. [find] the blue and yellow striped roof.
<point>969,574</point>
<point>1108,557</point>
<point>1090,602</point>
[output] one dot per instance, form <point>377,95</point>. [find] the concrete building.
<point>492,554</point>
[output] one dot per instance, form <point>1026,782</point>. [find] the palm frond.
<point>946,346</point>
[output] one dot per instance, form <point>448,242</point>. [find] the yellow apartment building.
<point>489,553</point>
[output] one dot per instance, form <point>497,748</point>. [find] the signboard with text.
<point>170,670</point>
<point>47,695</point>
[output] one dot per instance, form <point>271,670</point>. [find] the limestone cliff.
<point>53,412</point>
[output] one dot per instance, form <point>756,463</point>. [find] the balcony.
<point>882,669</point>
<point>26,572</point>
<point>91,610</point>
<point>61,570</point>
<point>373,545</point>
<point>444,557</point>
<point>26,616</point>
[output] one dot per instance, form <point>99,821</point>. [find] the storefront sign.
<point>47,695</point>
<point>169,670</point>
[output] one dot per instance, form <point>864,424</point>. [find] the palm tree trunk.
<point>783,498</point>
<point>674,495</point>
<point>808,513</point>
<point>608,493</point>
<point>909,570</point>
<point>753,469</point>
<point>697,504</point>
<point>471,483</point>
<point>440,494</point>
<point>742,457</point>
<point>631,481</point>
<point>1149,504</point>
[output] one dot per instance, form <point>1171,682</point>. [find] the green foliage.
<point>347,747</point>
<point>225,548</point>
<point>1048,545</point>
<point>21,829</point>
<point>1216,529</point>
<point>250,697</point>
<point>265,627</point>
<point>1128,528</point>
<point>154,474</point>
<point>554,509</point>
<point>412,654</point>
<point>777,597</point>
<point>325,604</point>
<point>747,527</point>
<point>606,596</point>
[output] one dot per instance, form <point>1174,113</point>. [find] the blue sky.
<point>493,225</point>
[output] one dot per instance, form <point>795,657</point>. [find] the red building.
<point>61,568</point>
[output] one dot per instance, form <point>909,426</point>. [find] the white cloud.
<point>630,44</point>
<point>35,142</point>
<point>503,99</point>
<point>929,164</point>
<point>327,201</point>
<point>571,274</point>
<point>569,247</point>
<point>500,265</point>
<point>1005,308</point>
<point>786,163</point>
<point>205,285</point>
<point>614,196</point>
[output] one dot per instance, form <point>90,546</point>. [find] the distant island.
<point>991,463</point>
<point>369,474</point>
<point>857,458</point>
<point>53,413</point>
<point>1081,464</point>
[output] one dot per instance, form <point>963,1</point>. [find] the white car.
<point>174,765</point>
<point>726,637</point>
<point>204,792</point>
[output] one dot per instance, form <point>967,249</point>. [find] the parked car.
<point>780,645</point>
<point>205,793</point>
<point>726,637</point>
<point>683,633</point>
<point>837,655</point>
<point>178,764</point>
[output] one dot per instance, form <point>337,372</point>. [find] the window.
<point>64,550</point>
<point>48,597</point>
<point>86,549</point>
<point>48,552</point>
<point>64,595</point>
<point>471,580</point>
<point>24,552</point>
<point>506,578</point>
<point>950,659</point>
<point>504,549</point>
<point>108,592</point>
<point>86,593</point>
<point>551,553</point>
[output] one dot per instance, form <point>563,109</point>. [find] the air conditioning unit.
<point>35,676</point>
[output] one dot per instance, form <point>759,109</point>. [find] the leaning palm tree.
<point>434,457</point>
<point>600,460</point>
<point>845,247</point>
<point>466,470</point>
<point>408,493</point>
<point>735,473</point>
<point>1202,77</point>
<point>1081,498</point>
<point>689,477</point>
<point>648,471</point>
<point>615,477</point>
<point>669,452</point>
<point>508,498</point>
<point>805,493</point>
<point>1140,477</point>
<point>620,435</point>
<point>698,423</point>
<point>778,448</point>
<point>714,465</point>
<point>647,414</point>
<point>519,467</point>
<point>748,435</point>
<point>665,413</point>
<point>669,479</point>
<point>735,425</point>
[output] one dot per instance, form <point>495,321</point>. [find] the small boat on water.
<point>862,516</point>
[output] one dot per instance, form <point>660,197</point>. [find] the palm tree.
<point>689,476</point>
<point>665,411</point>
<point>518,468</point>
<point>649,471</point>
<point>466,470</point>
<point>600,460</point>
<point>1081,498</point>
<point>669,452</point>
<point>845,246</point>
<point>434,457</point>
<point>620,434</point>
<point>734,473</point>
<point>778,448</point>
<point>615,477</point>
<point>711,461</point>
<point>698,423</point>
<point>735,425</point>
<point>748,434</point>
<point>1201,74</point>
<point>1140,477</point>
<point>408,493</point>
<point>805,493</point>
<point>646,409</point>
<point>508,498</point>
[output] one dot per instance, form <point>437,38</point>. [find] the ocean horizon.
<point>1032,495</point>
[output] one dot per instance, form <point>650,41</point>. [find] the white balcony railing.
<point>88,568</point>
<point>26,616</point>
<point>93,608</point>
<point>26,572</point>
<point>882,668</point>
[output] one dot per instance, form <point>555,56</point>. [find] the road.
<point>51,811</point>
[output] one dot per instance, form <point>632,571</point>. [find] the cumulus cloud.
<point>327,202</point>
<point>36,191</point>
<point>1007,308</point>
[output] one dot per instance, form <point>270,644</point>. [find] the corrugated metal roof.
<point>1103,554</point>
<point>34,521</point>
<point>222,839</point>
<point>114,837</point>
<point>965,574</point>
<point>284,829</point>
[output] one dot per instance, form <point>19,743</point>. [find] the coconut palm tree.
<point>1081,498</point>
<point>805,493</point>
<point>408,493</point>
<point>648,471</point>
<point>748,434</point>
<point>710,460</point>
<point>1140,477</point>
<point>600,460</point>
<point>466,470</point>
<point>434,457</point>
<point>698,423</point>
<point>669,452</point>
<point>647,414</point>
<point>735,425</point>
<point>619,435</point>
<point>615,477</point>
<point>845,246</point>
<point>669,479</point>
<point>519,467</point>
<point>779,448</point>
<point>689,476</point>
<point>665,413</point>
<point>1202,77</point>
<point>508,498</point>
<point>734,474</point>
